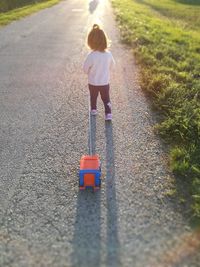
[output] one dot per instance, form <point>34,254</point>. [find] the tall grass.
<point>165,36</point>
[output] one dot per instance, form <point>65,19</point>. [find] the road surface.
<point>45,220</point>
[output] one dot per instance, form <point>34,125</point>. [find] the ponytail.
<point>95,26</point>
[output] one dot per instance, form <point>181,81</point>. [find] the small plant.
<point>171,192</point>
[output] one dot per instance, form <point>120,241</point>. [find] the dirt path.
<point>45,220</point>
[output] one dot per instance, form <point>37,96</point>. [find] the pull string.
<point>90,130</point>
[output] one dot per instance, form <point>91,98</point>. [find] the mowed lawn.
<point>165,37</point>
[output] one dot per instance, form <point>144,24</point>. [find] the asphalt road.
<point>45,220</point>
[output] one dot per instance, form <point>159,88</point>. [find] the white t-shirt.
<point>98,65</point>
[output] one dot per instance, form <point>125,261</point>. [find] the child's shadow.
<point>87,233</point>
<point>113,245</point>
<point>93,5</point>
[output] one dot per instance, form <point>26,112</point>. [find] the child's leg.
<point>94,91</point>
<point>105,96</point>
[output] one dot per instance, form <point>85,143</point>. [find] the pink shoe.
<point>108,117</point>
<point>93,112</point>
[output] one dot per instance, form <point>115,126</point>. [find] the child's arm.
<point>87,64</point>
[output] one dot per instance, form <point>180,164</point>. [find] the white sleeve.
<point>87,64</point>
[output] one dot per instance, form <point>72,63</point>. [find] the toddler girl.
<point>97,66</point>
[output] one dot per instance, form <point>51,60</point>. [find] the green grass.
<point>165,37</point>
<point>15,14</point>
<point>186,15</point>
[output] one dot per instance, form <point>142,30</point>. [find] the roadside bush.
<point>6,5</point>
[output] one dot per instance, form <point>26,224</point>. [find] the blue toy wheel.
<point>81,181</point>
<point>98,182</point>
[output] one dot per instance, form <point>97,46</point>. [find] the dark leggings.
<point>104,92</point>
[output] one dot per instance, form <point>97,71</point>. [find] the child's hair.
<point>97,39</point>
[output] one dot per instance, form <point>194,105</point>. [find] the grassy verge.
<point>15,14</point>
<point>165,36</point>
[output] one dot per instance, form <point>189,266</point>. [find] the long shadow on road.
<point>87,239</point>
<point>87,235</point>
<point>113,245</point>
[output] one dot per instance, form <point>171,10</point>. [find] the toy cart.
<point>90,172</point>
